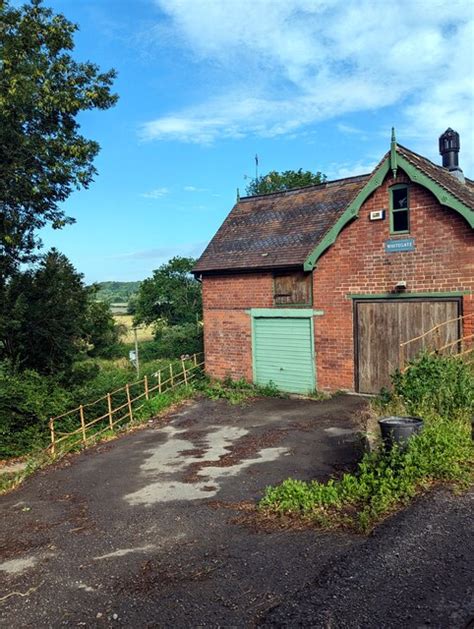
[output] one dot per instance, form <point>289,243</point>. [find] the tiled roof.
<point>464,192</point>
<point>279,229</point>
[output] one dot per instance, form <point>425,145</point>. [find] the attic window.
<point>399,210</point>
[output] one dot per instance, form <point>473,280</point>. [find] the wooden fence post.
<point>184,372</point>
<point>51,430</point>
<point>195,360</point>
<point>159,381</point>
<point>83,424</point>
<point>401,357</point>
<point>171,375</point>
<point>145,382</point>
<point>129,402</point>
<point>109,404</point>
<point>438,338</point>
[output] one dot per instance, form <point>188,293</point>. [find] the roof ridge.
<point>316,185</point>
<point>405,148</point>
<point>452,185</point>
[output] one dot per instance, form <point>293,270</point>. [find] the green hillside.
<point>116,292</point>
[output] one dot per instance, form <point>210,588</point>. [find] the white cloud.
<point>157,193</point>
<point>341,171</point>
<point>193,249</point>
<point>349,129</point>
<point>194,189</point>
<point>292,63</point>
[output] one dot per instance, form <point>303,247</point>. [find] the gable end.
<point>416,175</point>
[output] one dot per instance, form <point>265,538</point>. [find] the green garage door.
<point>283,353</point>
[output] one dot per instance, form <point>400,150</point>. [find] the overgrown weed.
<point>236,391</point>
<point>441,391</point>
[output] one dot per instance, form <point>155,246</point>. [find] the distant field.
<point>144,333</point>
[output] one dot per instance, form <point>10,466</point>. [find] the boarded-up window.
<point>292,289</point>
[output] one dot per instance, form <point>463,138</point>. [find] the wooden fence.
<point>431,340</point>
<point>86,422</point>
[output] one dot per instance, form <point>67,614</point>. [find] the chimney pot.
<point>449,145</point>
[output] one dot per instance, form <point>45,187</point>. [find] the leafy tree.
<point>48,306</point>
<point>278,181</point>
<point>43,156</point>
<point>54,319</point>
<point>172,295</point>
<point>100,330</point>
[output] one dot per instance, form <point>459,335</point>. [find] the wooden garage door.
<point>282,353</point>
<point>382,325</point>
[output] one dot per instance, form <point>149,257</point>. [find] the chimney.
<point>449,148</point>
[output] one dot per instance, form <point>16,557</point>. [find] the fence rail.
<point>464,344</point>
<point>80,421</point>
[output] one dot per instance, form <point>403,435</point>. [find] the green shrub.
<point>155,405</point>
<point>176,340</point>
<point>83,372</point>
<point>438,384</point>
<point>443,451</point>
<point>27,401</point>
<point>235,391</point>
<point>441,391</point>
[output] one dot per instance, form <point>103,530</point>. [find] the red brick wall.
<point>227,326</point>
<point>357,263</point>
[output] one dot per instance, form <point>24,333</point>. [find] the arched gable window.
<point>399,209</point>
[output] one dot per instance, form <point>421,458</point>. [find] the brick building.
<point>317,287</point>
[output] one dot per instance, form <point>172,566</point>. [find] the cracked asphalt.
<point>146,531</point>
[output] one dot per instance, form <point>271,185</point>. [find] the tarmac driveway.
<point>140,531</point>
<point>145,531</point>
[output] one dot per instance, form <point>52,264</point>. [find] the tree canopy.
<point>172,294</point>
<point>43,155</point>
<point>53,318</point>
<point>275,181</point>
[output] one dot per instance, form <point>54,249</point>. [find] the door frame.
<point>356,300</point>
<point>285,313</point>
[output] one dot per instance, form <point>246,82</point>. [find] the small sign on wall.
<point>377,215</point>
<point>396,246</point>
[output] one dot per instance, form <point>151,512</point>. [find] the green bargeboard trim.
<point>350,213</point>
<point>303,313</point>
<point>443,196</point>
<point>454,293</point>
<point>415,175</point>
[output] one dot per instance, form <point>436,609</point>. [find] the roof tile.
<point>281,229</point>
<point>278,229</point>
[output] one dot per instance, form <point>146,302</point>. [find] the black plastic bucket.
<point>399,429</point>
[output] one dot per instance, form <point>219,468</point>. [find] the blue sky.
<point>205,85</point>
